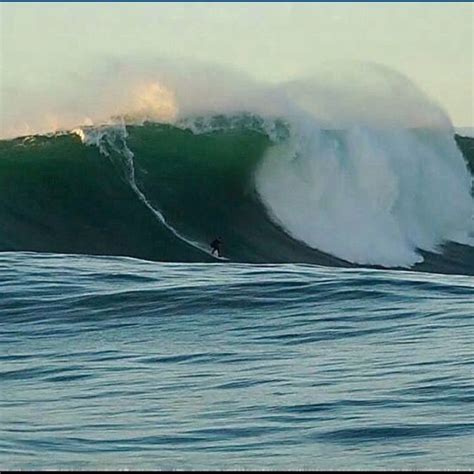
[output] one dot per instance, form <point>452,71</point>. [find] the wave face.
<point>275,192</point>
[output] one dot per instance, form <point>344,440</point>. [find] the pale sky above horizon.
<point>431,43</point>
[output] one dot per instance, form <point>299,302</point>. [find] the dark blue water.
<point>119,363</point>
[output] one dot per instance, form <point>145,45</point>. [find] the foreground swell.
<point>141,365</point>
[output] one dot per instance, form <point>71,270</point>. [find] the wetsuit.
<point>215,246</point>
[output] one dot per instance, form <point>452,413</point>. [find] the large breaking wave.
<point>312,171</point>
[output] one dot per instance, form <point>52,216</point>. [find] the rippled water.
<point>119,363</point>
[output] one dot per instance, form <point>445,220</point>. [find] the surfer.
<point>216,247</point>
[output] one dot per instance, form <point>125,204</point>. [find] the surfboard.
<point>217,257</point>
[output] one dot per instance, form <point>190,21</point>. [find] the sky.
<point>41,45</point>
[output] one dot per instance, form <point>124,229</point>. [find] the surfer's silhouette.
<point>216,247</point>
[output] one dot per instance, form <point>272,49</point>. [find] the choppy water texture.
<point>111,362</point>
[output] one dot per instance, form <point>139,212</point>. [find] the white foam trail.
<point>114,137</point>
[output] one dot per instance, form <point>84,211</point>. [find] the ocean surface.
<point>119,363</point>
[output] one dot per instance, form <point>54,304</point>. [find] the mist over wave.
<point>359,163</point>
<point>339,95</point>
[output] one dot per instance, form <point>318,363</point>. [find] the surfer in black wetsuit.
<point>216,247</point>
